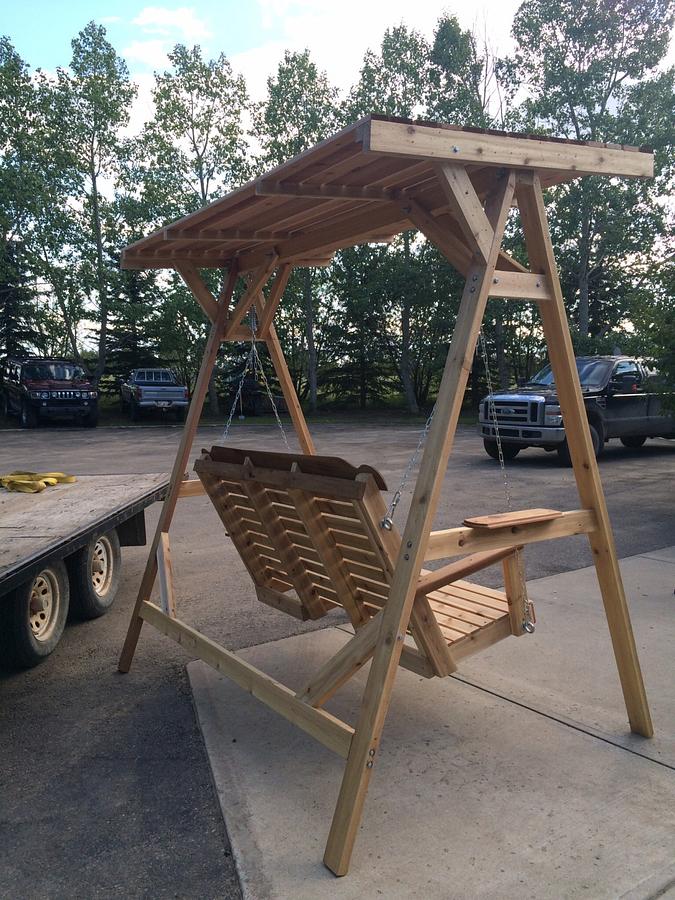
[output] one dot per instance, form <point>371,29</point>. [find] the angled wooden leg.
<point>561,354</point>
<point>396,614</point>
<point>181,461</point>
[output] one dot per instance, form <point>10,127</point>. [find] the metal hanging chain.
<point>388,521</point>
<point>255,363</point>
<point>492,414</point>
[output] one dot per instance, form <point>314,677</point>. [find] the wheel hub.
<point>44,605</point>
<point>101,566</point>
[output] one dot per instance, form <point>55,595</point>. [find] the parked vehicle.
<point>154,389</point>
<point>620,402</point>
<point>37,388</point>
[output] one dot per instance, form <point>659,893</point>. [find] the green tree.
<point>192,151</point>
<point>469,84</point>
<point>590,72</point>
<point>99,94</point>
<point>299,111</point>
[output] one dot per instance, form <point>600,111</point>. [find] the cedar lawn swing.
<point>311,529</point>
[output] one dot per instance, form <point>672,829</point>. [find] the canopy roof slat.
<point>353,188</point>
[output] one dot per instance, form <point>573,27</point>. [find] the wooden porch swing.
<point>314,531</point>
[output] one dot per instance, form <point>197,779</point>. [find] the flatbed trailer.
<point>60,552</point>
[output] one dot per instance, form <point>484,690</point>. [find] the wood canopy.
<point>368,183</point>
<point>318,525</point>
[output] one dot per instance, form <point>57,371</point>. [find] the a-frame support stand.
<point>482,228</point>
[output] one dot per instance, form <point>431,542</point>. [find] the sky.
<point>252,33</point>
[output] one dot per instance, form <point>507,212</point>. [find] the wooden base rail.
<point>326,728</point>
<point>456,541</point>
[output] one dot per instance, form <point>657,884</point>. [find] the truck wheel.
<point>598,446</point>
<point>634,442</point>
<point>91,419</point>
<point>95,573</point>
<point>29,417</point>
<point>4,406</point>
<point>509,451</point>
<point>33,616</point>
<point>134,411</point>
<point>179,414</point>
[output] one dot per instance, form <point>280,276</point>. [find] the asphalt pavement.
<point>105,786</point>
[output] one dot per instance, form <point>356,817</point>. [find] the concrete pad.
<point>567,669</point>
<point>473,795</point>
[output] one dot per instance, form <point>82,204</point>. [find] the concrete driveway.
<point>106,790</point>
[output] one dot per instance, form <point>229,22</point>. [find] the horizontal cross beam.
<point>267,188</point>
<point>433,143</point>
<point>324,727</point>
<point>456,541</point>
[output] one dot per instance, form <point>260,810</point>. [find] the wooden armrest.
<point>431,581</point>
<point>509,519</point>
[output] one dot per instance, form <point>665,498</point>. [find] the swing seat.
<point>308,530</point>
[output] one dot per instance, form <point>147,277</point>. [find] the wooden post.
<point>180,463</point>
<point>561,355</point>
<point>377,694</point>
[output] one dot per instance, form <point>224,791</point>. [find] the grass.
<point>111,414</point>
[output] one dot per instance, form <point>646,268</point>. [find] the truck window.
<point>592,373</point>
<point>627,368</point>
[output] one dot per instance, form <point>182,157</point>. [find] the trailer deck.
<point>36,529</point>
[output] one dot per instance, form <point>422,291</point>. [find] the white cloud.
<point>339,34</point>
<point>150,53</point>
<point>172,22</point>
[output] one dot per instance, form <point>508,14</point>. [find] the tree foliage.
<point>76,187</point>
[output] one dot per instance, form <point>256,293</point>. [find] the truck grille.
<point>515,411</point>
<point>66,395</point>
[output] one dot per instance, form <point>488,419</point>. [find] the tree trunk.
<point>502,364</point>
<point>214,405</point>
<point>100,275</point>
<point>584,257</point>
<point>311,346</point>
<point>404,363</point>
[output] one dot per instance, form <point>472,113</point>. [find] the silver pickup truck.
<point>154,389</point>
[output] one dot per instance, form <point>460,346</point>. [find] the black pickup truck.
<point>618,400</point>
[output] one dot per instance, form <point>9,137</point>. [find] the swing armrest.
<point>432,581</point>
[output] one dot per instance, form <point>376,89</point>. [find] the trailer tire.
<point>95,573</point>
<point>33,616</point>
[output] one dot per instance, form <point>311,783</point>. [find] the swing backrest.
<point>306,527</point>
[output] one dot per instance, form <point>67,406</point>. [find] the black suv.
<point>620,402</point>
<point>37,388</point>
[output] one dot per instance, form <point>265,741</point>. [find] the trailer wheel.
<point>95,573</point>
<point>33,616</point>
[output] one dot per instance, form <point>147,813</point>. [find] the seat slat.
<point>456,612</point>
